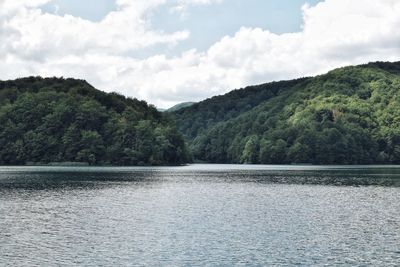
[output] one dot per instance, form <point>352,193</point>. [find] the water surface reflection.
<point>200,215</point>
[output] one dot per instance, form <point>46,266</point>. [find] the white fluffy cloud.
<point>182,5</point>
<point>42,36</point>
<point>334,33</point>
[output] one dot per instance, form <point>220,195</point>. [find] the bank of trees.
<point>348,116</point>
<point>58,120</point>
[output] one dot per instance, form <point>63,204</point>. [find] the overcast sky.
<point>171,51</point>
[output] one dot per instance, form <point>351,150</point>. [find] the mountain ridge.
<point>349,115</point>
<point>331,108</point>
<point>179,106</point>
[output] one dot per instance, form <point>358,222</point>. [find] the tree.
<point>250,151</point>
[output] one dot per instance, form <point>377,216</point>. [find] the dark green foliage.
<point>349,116</point>
<point>58,120</point>
<point>195,119</point>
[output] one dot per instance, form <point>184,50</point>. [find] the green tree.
<point>251,151</point>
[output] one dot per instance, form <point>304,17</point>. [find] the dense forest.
<point>350,115</point>
<point>66,120</point>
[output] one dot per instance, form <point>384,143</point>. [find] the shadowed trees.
<point>58,120</point>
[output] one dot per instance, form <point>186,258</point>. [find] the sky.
<point>172,51</point>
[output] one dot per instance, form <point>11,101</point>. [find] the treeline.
<point>66,120</point>
<point>349,116</point>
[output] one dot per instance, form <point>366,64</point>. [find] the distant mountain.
<point>180,106</point>
<point>350,115</point>
<point>65,120</point>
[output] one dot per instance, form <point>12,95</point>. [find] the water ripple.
<point>199,216</point>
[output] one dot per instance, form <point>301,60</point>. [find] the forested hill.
<point>67,120</point>
<point>350,115</point>
<point>180,106</point>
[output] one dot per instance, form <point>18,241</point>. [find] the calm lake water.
<point>200,215</point>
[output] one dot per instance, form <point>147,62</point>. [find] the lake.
<point>200,215</point>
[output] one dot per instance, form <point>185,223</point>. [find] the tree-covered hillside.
<point>199,117</point>
<point>350,115</point>
<point>180,106</point>
<point>66,120</point>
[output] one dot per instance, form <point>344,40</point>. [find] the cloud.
<point>13,5</point>
<point>334,33</point>
<point>41,36</point>
<point>188,3</point>
<point>182,7</point>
